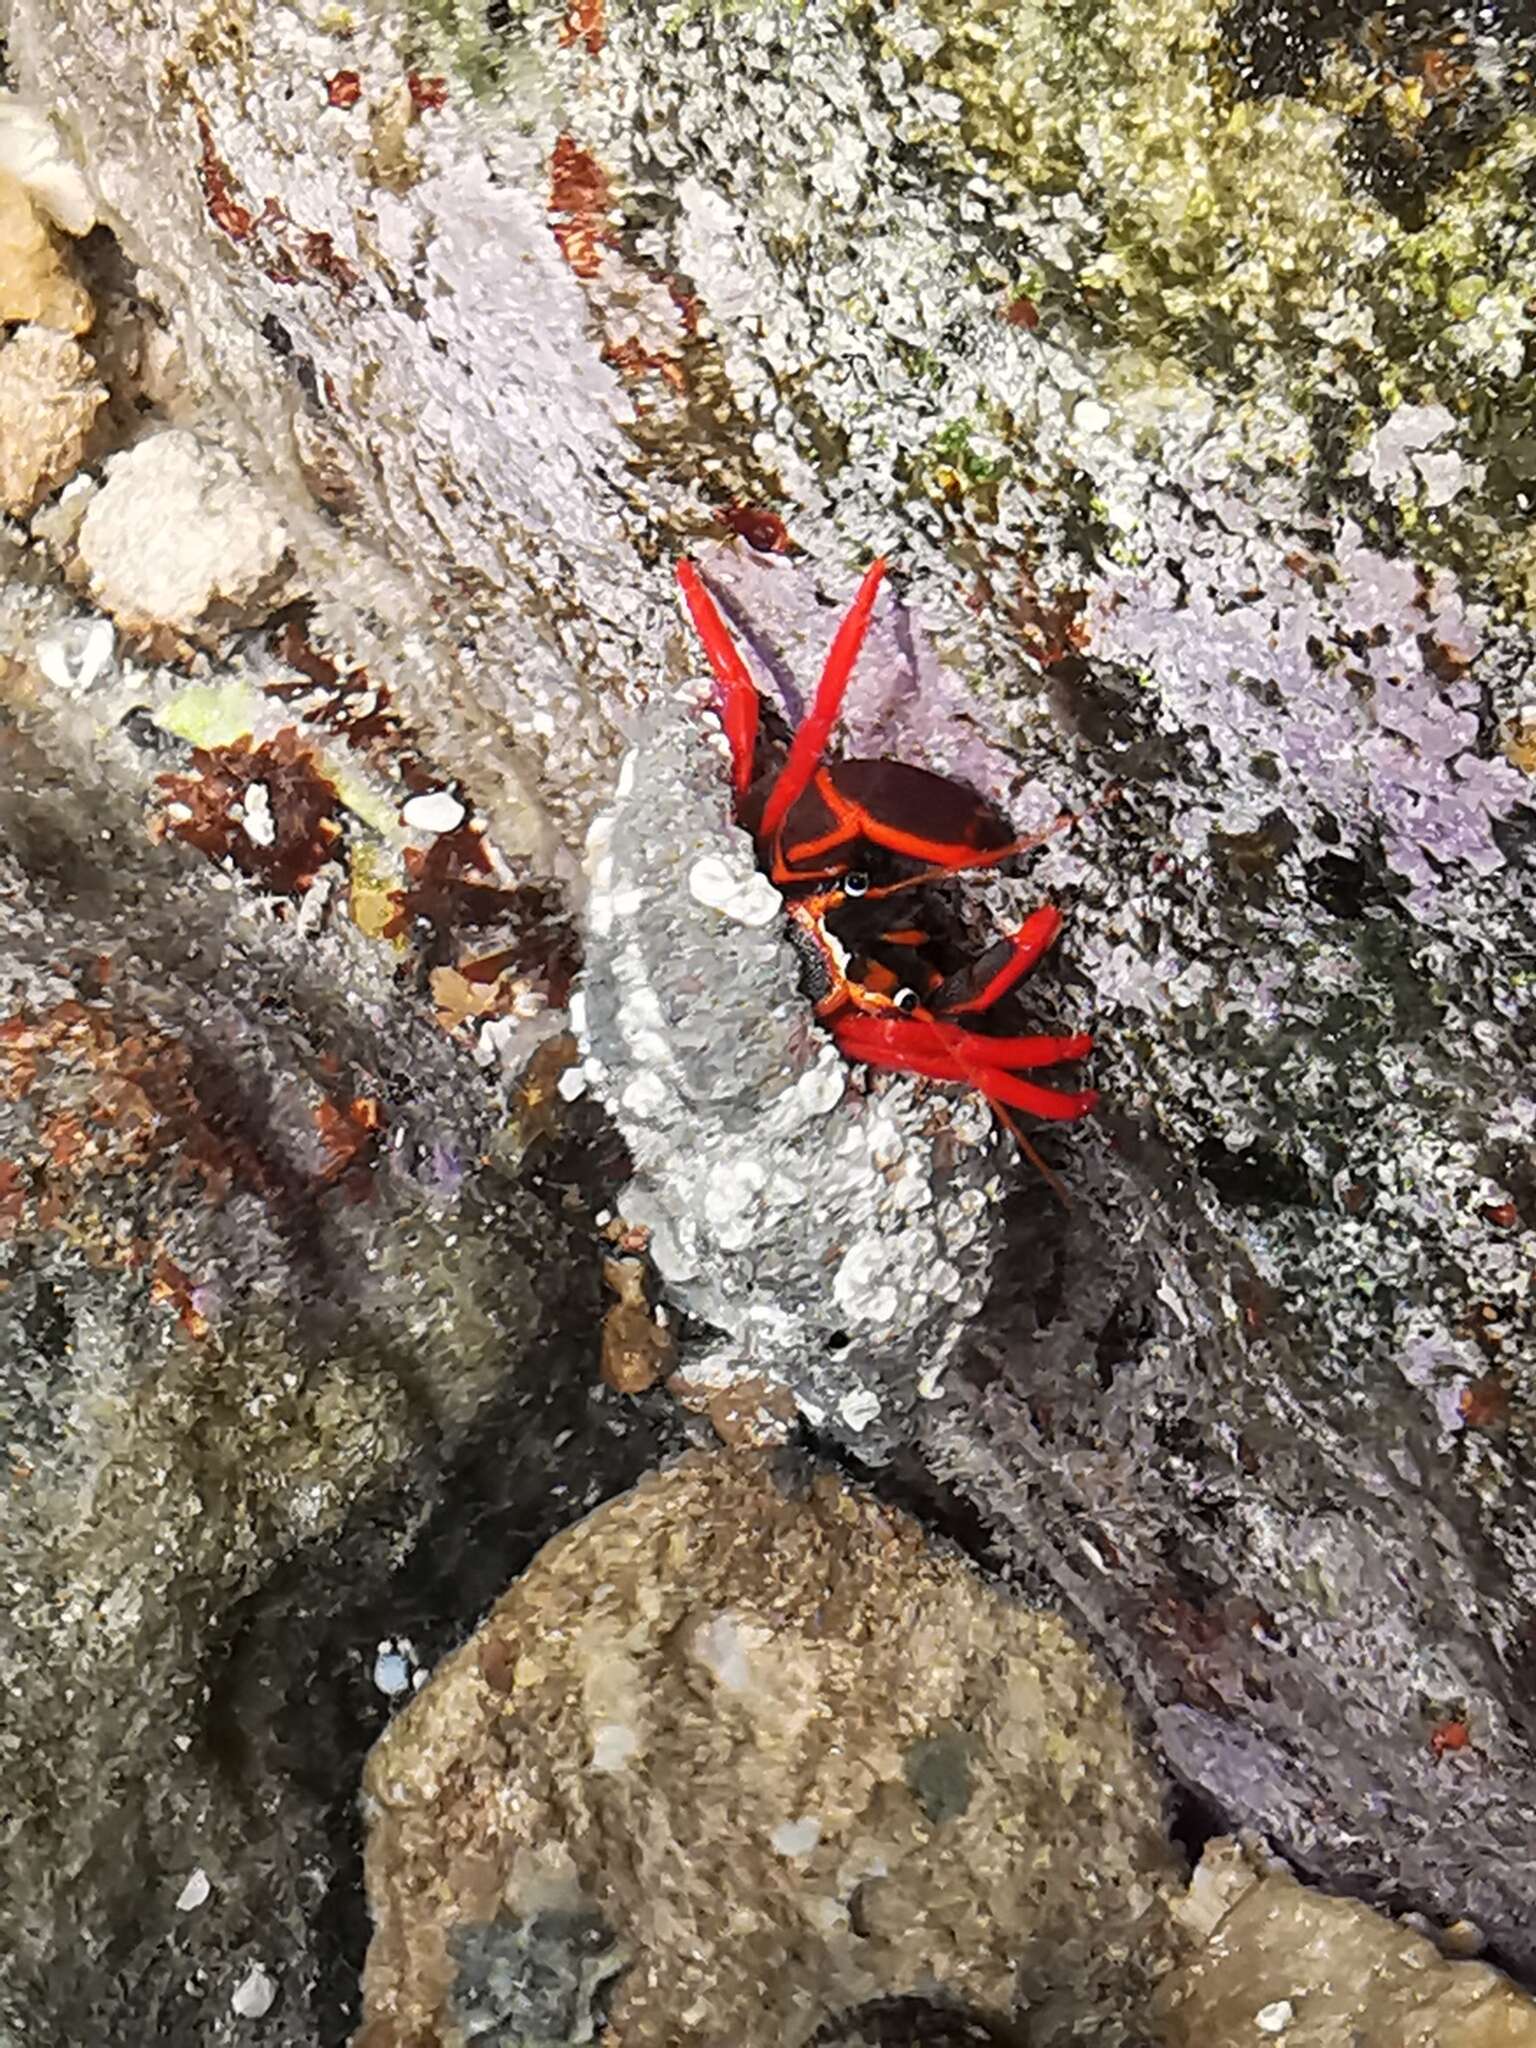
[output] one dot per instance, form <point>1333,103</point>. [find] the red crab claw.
<point>944,1052</point>
<point>736,699</point>
<point>982,984</point>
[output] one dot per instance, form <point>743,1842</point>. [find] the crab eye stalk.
<point>856,884</point>
<point>905,1000</point>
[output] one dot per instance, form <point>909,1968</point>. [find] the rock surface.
<point>838,1236</point>
<point>49,399</point>
<point>736,1755</point>
<point>280,1380</point>
<point>1283,1964</point>
<point>1179,355</point>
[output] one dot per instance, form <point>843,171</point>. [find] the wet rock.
<point>834,1229</point>
<point>37,282</point>
<point>1280,1963</point>
<point>296,1340</point>
<point>178,544</point>
<point>756,1755</point>
<point>49,399</point>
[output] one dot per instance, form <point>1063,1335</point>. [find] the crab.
<point>839,837</point>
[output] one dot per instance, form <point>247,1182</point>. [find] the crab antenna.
<point>737,696</point>
<point>1051,1180</point>
<point>998,853</point>
<point>811,739</point>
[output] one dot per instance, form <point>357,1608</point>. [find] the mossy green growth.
<point>955,446</point>
<point>508,62</point>
<point>1224,232</point>
<point>1183,207</point>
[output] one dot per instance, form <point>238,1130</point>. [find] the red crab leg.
<point>1034,937</point>
<point>737,698</point>
<point>815,730</point>
<point>895,1045</point>
<point>949,1041</point>
<point>938,1040</point>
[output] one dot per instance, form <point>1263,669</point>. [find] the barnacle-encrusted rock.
<point>35,278</point>
<point>836,1231</point>
<point>1283,1963</point>
<point>767,1756</point>
<point>49,399</point>
<point>179,542</point>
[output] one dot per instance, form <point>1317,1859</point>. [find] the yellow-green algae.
<point>1222,232</point>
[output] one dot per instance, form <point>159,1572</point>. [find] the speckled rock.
<point>1279,1963</point>
<point>49,399</point>
<point>736,1756</point>
<point>178,544</point>
<point>836,1232</point>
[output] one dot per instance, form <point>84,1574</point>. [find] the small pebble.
<point>254,1994</point>
<point>796,1837</point>
<point>1274,2019</point>
<point>260,828</point>
<point>438,810</point>
<point>194,1892</point>
<point>392,1669</point>
<point>859,1408</point>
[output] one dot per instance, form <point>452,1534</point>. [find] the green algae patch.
<point>1231,235</point>
<point>1180,208</point>
<point>504,62</point>
<point>212,714</point>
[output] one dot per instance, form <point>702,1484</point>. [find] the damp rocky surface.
<point>740,1753</point>
<point>1180,360</point>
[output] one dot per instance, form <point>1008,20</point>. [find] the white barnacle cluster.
<point>833,1228</point>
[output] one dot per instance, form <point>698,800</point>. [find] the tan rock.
<point>32,151</point>
<point>1281,1963</point>
<point>179,543</point>
<point>49,399</point>
<point>736,1760</point>
<point>36,281</point>
<point>637,1349</point>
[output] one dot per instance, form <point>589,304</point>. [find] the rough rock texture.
<point>49,399</point>
<point>1180,355</point>
<point>177,544</point>
<point>280,1379</point>
<point>1287,1965</point>
<point>734,1756</point>
<point>36,282</point>
<point>837,1236</point>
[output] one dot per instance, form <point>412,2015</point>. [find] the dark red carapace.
<point>840,837</point>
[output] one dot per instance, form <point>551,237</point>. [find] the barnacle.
<point>837,1234</point>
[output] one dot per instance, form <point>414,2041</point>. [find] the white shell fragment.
<point>254,1994</point>
<point>749,899</point>
<point>436,810</point>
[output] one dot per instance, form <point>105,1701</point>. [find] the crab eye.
<point>856,884</point>
<point>905,1000</point>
